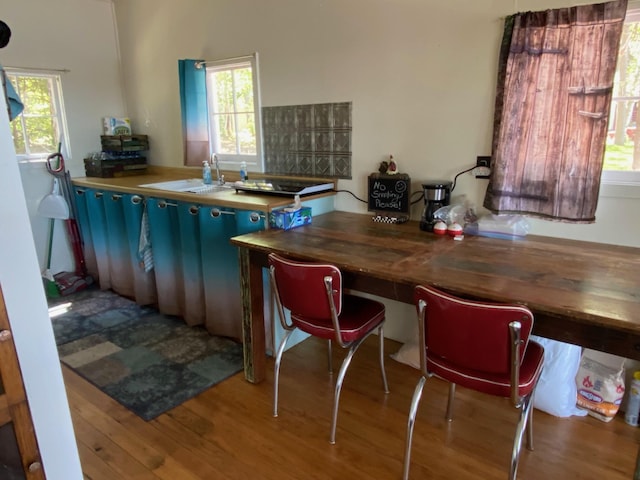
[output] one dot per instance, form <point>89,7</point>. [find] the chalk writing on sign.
<point>389,193</point>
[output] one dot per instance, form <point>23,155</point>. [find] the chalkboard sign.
<point>389,193</point>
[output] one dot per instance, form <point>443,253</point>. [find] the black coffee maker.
<point>437,194</point>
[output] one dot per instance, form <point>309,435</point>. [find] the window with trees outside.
<point>41,126</point>
<point>622,153</point>
<point>234,110</point>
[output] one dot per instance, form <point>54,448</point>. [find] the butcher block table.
<point>580,292</point>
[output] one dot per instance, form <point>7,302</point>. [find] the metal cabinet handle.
<point>193,209</point>
<point>136,199</point>
<point>115,197</point>
<point>254,217</point>
<point>216,212</point>
<point>98,194</point>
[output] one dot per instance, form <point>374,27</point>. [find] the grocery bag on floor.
<point>600,383</point>
<point>556,390</point>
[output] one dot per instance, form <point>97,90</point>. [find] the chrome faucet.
<point>214,160</point>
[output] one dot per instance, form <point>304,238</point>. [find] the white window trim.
<point>255,163</point>
<point>58,100</point>
<point>622,183</point>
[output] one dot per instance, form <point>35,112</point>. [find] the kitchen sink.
<point>189,185</point>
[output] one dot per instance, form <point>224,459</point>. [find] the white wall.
<point>32,333</point>
<point>74,35</point>
<point>79,36</point>
<point>421,75</point>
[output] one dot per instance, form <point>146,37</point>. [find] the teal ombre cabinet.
<point>110,224</point>
<point>194,273</point>
<point>196,267</point>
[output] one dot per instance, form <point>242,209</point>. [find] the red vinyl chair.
<point>481,346</point>
<point>313,295</point>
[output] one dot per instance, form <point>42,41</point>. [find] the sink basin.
<point>189,185</point>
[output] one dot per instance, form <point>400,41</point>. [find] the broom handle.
<point>51,225</point>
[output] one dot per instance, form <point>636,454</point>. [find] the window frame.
<point>255,163</point>
<point>55,79</point>
<point>624,178</point>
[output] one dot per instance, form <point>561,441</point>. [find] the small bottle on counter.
<point>206,173</point>
<point>243,171</point>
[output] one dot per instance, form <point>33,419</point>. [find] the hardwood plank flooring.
<point>228,432</point>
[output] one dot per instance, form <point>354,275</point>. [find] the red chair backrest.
<point>302,289</point>
<point>471,335</point>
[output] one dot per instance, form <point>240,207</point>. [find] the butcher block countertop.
<point>226,198</point>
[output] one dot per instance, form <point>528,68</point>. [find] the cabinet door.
<point>144,281</point>
<point>190,262</point>
<point>80,195</point>
<point>120,266</point>
<point>220,266</point>
<point>165,243</point>
<point>97,223</point>
<point>175,242</point>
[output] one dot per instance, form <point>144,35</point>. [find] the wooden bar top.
<point>228,198</point>
<point>580,292</point>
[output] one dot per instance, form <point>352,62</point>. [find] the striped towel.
<point>145,254</point>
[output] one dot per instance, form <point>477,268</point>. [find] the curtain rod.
<point>60,70</point>
<point>202,63</point>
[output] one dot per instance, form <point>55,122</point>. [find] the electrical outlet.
<point>483,161</point>
<point>483,167</point>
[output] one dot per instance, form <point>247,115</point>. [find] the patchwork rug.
<point>147,361</point>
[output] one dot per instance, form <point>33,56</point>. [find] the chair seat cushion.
<point>358,317</point>
<point>494,384</point>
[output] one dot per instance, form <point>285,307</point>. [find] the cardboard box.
<point>289,220</point>
<point>116,126</point>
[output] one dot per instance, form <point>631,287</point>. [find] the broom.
<point>50,285</point>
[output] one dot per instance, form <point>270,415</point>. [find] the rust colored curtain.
<point>555,81</point>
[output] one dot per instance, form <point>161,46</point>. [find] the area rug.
<point>147,361</point>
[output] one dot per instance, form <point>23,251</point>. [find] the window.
<point>233,102</point>
<point>41,126</point>
<point>622,152</point>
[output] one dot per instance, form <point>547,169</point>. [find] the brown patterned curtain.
<point>555,82</point>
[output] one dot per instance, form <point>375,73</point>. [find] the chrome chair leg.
<point>525,411</point>
<point>452,394</point>
<point>530,428</point>
<point>413,410</point>
<point>276,375</point>
<point>339,380</point>
<point>384,373</point>
<point>330,357</point>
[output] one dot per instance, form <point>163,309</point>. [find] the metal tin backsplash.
<point>309,140</point>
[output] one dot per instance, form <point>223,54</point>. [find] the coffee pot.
<point>437,194</point>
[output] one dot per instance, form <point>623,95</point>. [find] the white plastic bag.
<point>556,390</point>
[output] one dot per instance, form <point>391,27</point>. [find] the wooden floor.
<point>228,432</point>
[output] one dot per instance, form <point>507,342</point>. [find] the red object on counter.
<point>454,229</point>
<point>440,228</point>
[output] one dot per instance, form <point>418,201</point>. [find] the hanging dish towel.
<point>145,254</point>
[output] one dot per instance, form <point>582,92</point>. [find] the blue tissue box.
<point>289,220</point>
